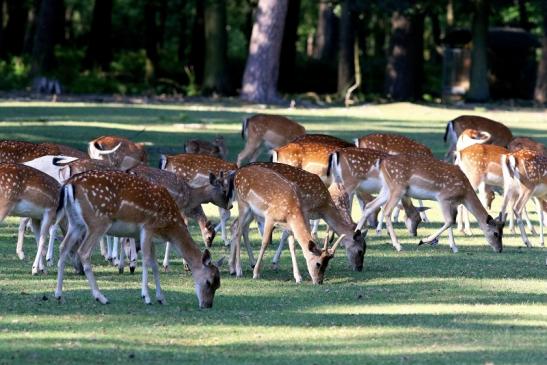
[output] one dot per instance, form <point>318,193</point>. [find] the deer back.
<point>501,135</point>
<point>393,144</point>
<point>195,169</point>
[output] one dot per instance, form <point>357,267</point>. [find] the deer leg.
<point>314,227</point>
<point>466,221</point>
<point>51,244</point>
<point>132,255</point>
<point>277,256</point>
<point>21,237</point>
<point>529,222</point>
<point>149,260</point>
<point>115,248</point>
<point>248,246</point>
<point>433,239</point>
<point>71,238</point>
<point>108,248</point>
<point>121,261</point>
<point>266,239</point>
<point>373,205</point>
<point>250,149</point>
<point>224,217</point>
<point>84,252</point>
<point>38,264</point>
<point>391,203</point>
<point>423,215</point>
<point>166,256</point>
<point>235,246</point>
<point>520,204</point>
<point>295,270</point>
<point>449,215</point>
<point>539,209</point>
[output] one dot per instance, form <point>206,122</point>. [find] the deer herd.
<point>112,197</point>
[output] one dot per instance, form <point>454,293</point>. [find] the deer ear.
<point>220,262</point>
<point>490,220</point>
<point>206,258</point>
<point>357,235</point>
<point>313,247</point>
<point>212,178</point>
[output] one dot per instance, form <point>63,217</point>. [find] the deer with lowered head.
<point>268,130</point>
<point>124,205</point>
<point>117,151</point>
<point>269,195</point>
<point>216,148</point>
<point>424,177</point>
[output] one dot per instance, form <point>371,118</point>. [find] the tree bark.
<point>262,68</point>
<point>216,47</point>
<point>31,27</point>
<point>346,66</point>
<point>99,49</point>
<point>404,73</point>
<point>16,27</point>
<point>151,8</point>
<point>479,90</point>
<point>325,36</point>
<point>197,52</point>
<point>540,92</point>
<point>288,47</point>
<point>43,56</point>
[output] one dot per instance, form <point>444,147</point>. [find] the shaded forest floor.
<point>423,305</point>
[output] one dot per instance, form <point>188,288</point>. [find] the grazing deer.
<point>216,148</point>
<point>270,196</point>
<point>189,199</point>
<point>195,170</point>
<point>317,203</point>
<point>470,137</point>
<point>525,176</point>
<point>357,170</point>
<point>424,177</point>
<point>500,134</point>
<point>526,143</point>
<point>27,192</point>
<point>266,130</point>
<point>118,151</point>
<point>120,204</point>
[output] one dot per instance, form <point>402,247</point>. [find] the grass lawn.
<point>422,305</point>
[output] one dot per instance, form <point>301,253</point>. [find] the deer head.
<point>207,279</point>
<point>493,231</point>
<point>318,259</point>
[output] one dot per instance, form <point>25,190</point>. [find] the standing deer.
<point>27,192</point>
<point>500,134</point>
<point>525,176</point>
<point>120,204</point>
<point>526,143</point>
<point>216,148</point>
<point>118,151</point>
<point>267,194</point>
<point>424,177</point>
<point>266,130</point>
<point>195,170</point>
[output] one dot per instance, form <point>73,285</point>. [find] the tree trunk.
<point>3,51</point>
<point>404,73</point>
<point>31,27</point>
<point>99,49</point>
<point>216,45</point>
<point>262,68</point>
<point>288,47</point>
<point>16,27</point>
<point>325,36</point>
<point>43,56</point>
<point>524,21</point>
<point>346,66</point>
<point>197,52</point>
<point>182,37</point>
<point>540,93</point>
<point>478,89</point>
<point>151,9</point>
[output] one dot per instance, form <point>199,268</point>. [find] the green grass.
<point>423,305</point>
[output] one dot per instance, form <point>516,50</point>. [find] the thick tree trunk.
<point>524,21</point>
<point>479,90</point>
<point>540,93</point>
<point>346,66</point>
<point>151,8</point>
<point>99,49</point>
<point>31,28</point>
<point>404,73</point>
<point>43,56</point>
<point>216,45</point>
<point>16,27</point>
<point>3,51</point>
<point>197,52</point>
<point>325,36</point>
<point>288,47</point>
<point>262,68</point>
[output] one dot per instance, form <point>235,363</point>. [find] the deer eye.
<point>496,234</point>
<point>318,265</point>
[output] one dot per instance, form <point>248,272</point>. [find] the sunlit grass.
<point>423,305</point>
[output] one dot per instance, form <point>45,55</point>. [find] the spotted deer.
<point>525,176</point>
<point>118,151</point>
<point>526,143</point>
<point>27,192</point>
<point>124,205</point>
<point>470,137</point>
<point>358,171</point>
<point>424,177</point>
<point>189,199</point>
<point>317,203</point>
<point>267,194</point>
<point>216,148</point>
<point>268,130</point>
<point>195,170</point>
<point>500,134</point>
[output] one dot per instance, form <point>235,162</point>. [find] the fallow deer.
<point>525,176</point>
<point>424,177</point>
<point>189,199</point>
<point>195,170</point>
<point>216,148</point>
<point>357,170</point>
<point>470,137</point>
<point>118,151</point>
<point>267,194</point>
<point>526,143</point>
<point>317,203</point>
<point>27,192</point>
<point>120,204</point>
<point>266,130</point>
<point>500,134</point>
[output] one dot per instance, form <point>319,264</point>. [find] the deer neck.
<point>473,204</point>
<point>302,233</point>
<point>199,195</point>
<point>181,239</point>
